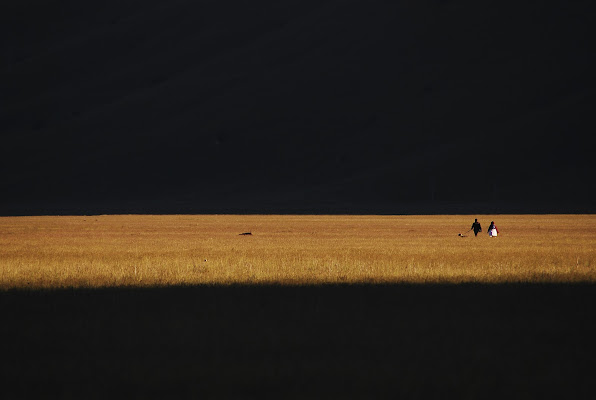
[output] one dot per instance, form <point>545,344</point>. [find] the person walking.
<point>492,229</point>
<point>476,227</point>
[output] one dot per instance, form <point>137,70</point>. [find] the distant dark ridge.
<point>352,102</point>
<point>437,208</point>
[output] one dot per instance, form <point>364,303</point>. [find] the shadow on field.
<point>359,341</point>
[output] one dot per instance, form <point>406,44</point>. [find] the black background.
<point>296,106</point>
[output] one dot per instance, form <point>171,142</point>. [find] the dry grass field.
<point>307,307</point>
<point>155,251</point>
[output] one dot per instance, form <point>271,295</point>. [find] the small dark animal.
<point>245,233</point>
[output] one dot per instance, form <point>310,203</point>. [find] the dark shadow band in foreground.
<point>334,341</point>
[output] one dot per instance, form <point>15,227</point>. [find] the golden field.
<point>148,250</point>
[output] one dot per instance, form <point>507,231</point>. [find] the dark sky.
<point>296,105</point>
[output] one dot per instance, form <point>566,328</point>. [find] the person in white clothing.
<point>492,229</point>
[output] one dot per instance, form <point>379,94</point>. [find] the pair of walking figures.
<point>492,229</point>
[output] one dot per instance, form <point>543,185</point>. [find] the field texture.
<point>150,251</point>
<point>307,307</point>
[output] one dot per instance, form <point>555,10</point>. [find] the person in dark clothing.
<point>476,227</point>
